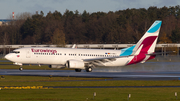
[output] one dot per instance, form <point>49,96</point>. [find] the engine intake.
<point>75,64</point>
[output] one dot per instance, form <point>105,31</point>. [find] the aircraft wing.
<point>104,58</point>
<point>100,61</point>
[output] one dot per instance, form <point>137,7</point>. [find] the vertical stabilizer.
<point>146,44</point>
<point>149,39</point>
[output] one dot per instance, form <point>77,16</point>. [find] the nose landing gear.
<point>20,68</point>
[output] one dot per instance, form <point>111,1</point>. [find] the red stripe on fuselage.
<point>147,43</point>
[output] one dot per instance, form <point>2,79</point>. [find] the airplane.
<point>87,59</point>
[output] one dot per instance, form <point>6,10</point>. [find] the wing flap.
<point>104,58</point>
<point>101,61</point>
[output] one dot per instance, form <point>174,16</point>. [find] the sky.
<point>31,6</point>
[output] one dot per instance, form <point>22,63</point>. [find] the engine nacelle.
<point>56,66</point>
<point>75,64</point>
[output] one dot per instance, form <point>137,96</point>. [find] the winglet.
<point>74,46</point>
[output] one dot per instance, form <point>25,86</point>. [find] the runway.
<point>96,74</point>
<point>165,68</point>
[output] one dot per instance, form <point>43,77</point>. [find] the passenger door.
<point>28,55</point>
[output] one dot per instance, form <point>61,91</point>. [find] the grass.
<point>84,94</point>
<point>77,81</point>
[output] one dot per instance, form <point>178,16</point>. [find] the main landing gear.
<point>88,69</point>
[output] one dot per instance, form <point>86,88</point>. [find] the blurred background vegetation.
<point>72,27</point>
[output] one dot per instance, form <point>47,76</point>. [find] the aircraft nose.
<point>8,56</point>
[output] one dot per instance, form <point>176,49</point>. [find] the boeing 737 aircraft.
<point>87,59</point>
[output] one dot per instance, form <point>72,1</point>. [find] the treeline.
<point>123,26</point>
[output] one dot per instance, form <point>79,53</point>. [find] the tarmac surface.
<point>162,68</point>
<point>114,75</point>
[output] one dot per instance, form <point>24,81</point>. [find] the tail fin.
<point>148,42</point>
<point>146,45</point>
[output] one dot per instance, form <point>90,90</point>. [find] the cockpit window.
<point>15,52</point>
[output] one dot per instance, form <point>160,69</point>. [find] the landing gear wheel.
<point>89,69</point>
<point>78,70</point>
<point>20,68</point>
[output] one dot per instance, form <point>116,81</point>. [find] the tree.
<point>85,16</point>
<point>175,37</point>
<point>124,26</point>
<point>164,38</point>
<point>58,37</point>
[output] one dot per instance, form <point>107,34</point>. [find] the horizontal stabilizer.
<point>159,53</point>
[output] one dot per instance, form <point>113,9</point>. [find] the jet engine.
<point>56,66</point>
<point>75,64</point>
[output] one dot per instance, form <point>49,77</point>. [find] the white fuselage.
<point>87,58</point>
<point>59,56</point>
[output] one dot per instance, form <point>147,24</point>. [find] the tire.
<point>20,68</point>
<point>78,70</point>
<point>89,69</point>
